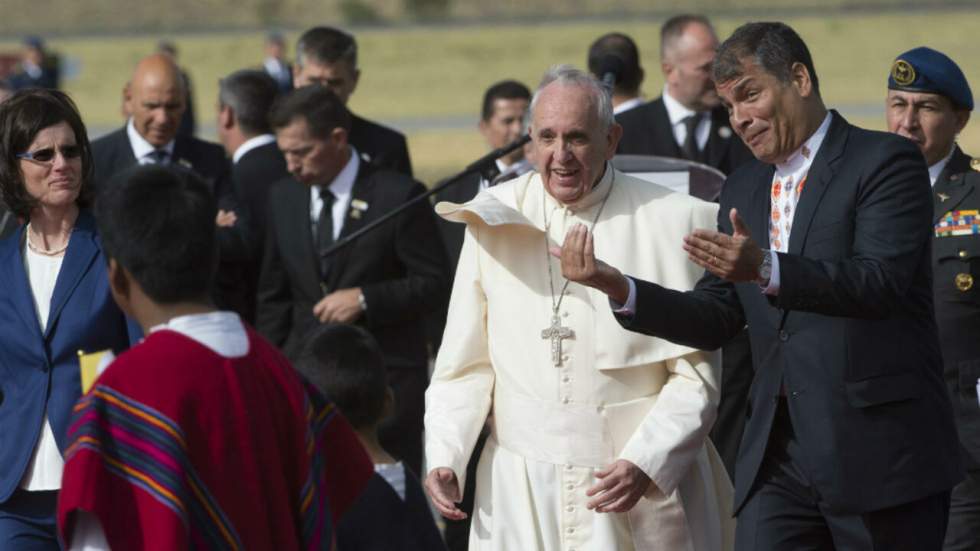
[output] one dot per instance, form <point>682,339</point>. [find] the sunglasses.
<point>47,154</point>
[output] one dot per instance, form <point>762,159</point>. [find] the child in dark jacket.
<point>392,513</point>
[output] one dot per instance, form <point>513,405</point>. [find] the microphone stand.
<point>476,166</point>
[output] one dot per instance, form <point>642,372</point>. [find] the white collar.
<point>937,169</point>
<point>675,111</point>
<point>141,147</point>
<point>250,144</point>
<point>274,65</point>
<point>222,332</point>
<point>343,183</point>
<point>801,159</point>
<point>627,105</point>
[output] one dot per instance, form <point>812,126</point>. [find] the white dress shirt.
<point>341,187</point>
<point>250,144</point>
<point>627,105</point>
<point>222,332</point>
<point>677,113</point>
<point>143,149</point>
<point>44,470</point>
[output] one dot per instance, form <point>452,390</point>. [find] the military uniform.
<point>956,288</point>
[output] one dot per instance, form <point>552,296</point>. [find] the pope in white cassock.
<point>599,435</point>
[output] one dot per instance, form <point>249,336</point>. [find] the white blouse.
<point>44,470</point>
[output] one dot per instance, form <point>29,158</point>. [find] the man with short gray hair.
<point>598,437</point>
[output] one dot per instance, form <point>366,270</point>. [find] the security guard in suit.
<point>929,101</point>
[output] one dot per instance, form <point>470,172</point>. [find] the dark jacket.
<point>647,131</point>
<point>383,147</point>
<point>956,292</point>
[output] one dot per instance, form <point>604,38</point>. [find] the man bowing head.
<point>598,435</point>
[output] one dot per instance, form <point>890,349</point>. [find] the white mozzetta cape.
<point>617,395</point>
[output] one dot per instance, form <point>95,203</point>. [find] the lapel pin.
<point>942,197</point>
<point>355,214</point>
<point>358,204</point>
<point>724,132</point>
<point>185,163</point>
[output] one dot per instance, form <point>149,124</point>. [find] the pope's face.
<point>570,145</point>
<point>929,120</point>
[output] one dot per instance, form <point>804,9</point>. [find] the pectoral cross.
<point>556,333</point>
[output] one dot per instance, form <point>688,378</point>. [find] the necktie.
<point>690,146</point>
<point>159,156</point>
<point>324,230</point>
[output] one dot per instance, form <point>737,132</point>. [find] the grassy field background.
<point>428,80</point>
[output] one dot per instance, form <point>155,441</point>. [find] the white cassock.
<point>617,394</point>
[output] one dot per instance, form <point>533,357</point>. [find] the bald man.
<point>155,100</point>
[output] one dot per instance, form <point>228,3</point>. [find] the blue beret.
<point>926,70</point>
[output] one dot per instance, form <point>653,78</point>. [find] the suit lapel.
<point>758,220</point>
<point>818,178</point>
<point>663,131</point>
<point>82,250</point>
<point>16,282</point>
<point>949,190</point>
<point>715,148</point>
<point>357,215</point>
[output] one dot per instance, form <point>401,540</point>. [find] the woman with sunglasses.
<point>54,305</point>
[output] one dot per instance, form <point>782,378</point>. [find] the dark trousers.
<point>963,533</point>
<point>401,434</point>
<point>28,523</point>
<point>785,512</point>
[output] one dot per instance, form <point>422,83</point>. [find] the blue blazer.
<point>39,369</point>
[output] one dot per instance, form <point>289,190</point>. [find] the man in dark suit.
<point>328,57</point>
<point>849,442</point>
<point>615,55</point>
<point>38,68</point>
<point>929,101</point>
<point>687,121</point>
<point>154,98</point>
<point>244,100</point>
<point>275,63</point>
<point>385,281</point>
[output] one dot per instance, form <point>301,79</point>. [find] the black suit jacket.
<point>252,177</point>
<point>851,336</point>
<point>956,291</point>
<point>400,267</point>
<point>113,153</point>
<point>382,146</point>
<point>647,131</point>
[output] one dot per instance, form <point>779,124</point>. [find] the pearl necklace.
<point>42,251</point>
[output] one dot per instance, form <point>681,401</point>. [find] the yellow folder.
<point>92,364</point>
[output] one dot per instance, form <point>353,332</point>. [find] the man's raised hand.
<point>735,257</point>
<point>579,264</point>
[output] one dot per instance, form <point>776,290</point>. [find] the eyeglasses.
<point>46,155</point>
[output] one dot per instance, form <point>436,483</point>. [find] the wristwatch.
<point>765,268</point>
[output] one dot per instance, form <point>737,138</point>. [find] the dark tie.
<point>324,230</point>
<point>690,146</point>
<point>159,156</point>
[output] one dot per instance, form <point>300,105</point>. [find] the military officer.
<point>929,101</point>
